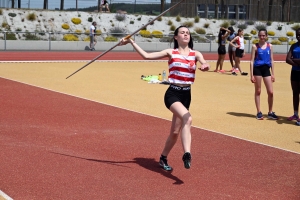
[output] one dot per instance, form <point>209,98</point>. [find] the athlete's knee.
<point>187,120</point>
<point>270,93</point>
<point>258,92</point>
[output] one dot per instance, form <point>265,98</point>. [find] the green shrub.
<point>145,33</point>
<point>232,22</point>
<point>242,26</point>
<point>178,19</point>
<point>292,42</point>
<point>4,25</point>
<point>159,19</point>
<point>276,42</point>
<point>290,34</point>
<point>12,14</point>
<point>98,32</point>
<point>131,22</point>
<point>170,23</point>
<point>166,39</point>
<point>188,24</point>
<point>120,17</point>
<point>139,19</point>
<point>196,19</point>
<point>40,32</point>
<point>199,39</point>
<point>269,23</point>
<point>255,41</point>
<point>200,30</point>
<point>247,36</point>
<point>117,32</point>
<point>78,32</point>
<point>29,36</point>
<point>157,34</point>
<point>1,11</point>
<point>18,29</point>
<point>283,39</point>
<point>271,33</point>
<point>90,19</point>
<point>70,37</point>
<point>172,28</point>
<point>65,26</point>
<point>110,39</point>
<point>279,27</point>
<point>11,36</point>
<point>296,27</point>
<point>76,20</point>
<point>260,26</point>
<point>225,24</point>
<point>250,22</point>
<point>206,25</point>
<point>210,36</point>
<point>31,17</point>
<point>253,32</point>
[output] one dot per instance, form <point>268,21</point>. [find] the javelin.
<point>127,37</point>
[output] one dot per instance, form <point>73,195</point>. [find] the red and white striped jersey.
<point>182,68</point>
<point>240,41</point>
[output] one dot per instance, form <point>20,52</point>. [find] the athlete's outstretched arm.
<point>144,54</point>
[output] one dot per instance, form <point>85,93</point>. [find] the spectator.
<point>93,40</point>
<point>104,4</point>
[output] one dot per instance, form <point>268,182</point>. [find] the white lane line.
<point>5,196</point>
<point>287,150</point>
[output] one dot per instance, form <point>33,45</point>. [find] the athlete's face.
<point>262,35</point>
<point>183,35</point>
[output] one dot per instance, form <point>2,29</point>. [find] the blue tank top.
<point>296,54</point>
<point>262,56</point>
<point>231,37</point>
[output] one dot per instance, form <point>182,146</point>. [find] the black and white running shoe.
<point>163,162</point>
<point>187,157</point>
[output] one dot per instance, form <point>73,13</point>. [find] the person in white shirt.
<point>238,43</point>
<point>93,40</point>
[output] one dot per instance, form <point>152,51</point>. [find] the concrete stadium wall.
<point>17,45</point>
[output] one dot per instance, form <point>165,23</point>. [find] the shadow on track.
<point>147,163</point>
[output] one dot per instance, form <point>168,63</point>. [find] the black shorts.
<point>263,71</point>
<point>222,50</point>
<point>239,53</point>
<point>178,94</point>
<point>295,75</point>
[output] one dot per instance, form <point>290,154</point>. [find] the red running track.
<point>56,146</point>
<point>90,55</point>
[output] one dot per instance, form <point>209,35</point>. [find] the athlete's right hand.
<point>253,80</point>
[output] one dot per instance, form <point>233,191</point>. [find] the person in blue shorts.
<point>262,68</point>
<point>293,58</point>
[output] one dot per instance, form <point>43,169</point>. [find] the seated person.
<point>104,4</point>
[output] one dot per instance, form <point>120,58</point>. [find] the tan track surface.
<point>220,102</point>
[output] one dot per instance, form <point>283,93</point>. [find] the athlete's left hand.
<point>273,78</point>
<point>204,67</point>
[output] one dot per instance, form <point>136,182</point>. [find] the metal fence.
<point>52,41</point>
